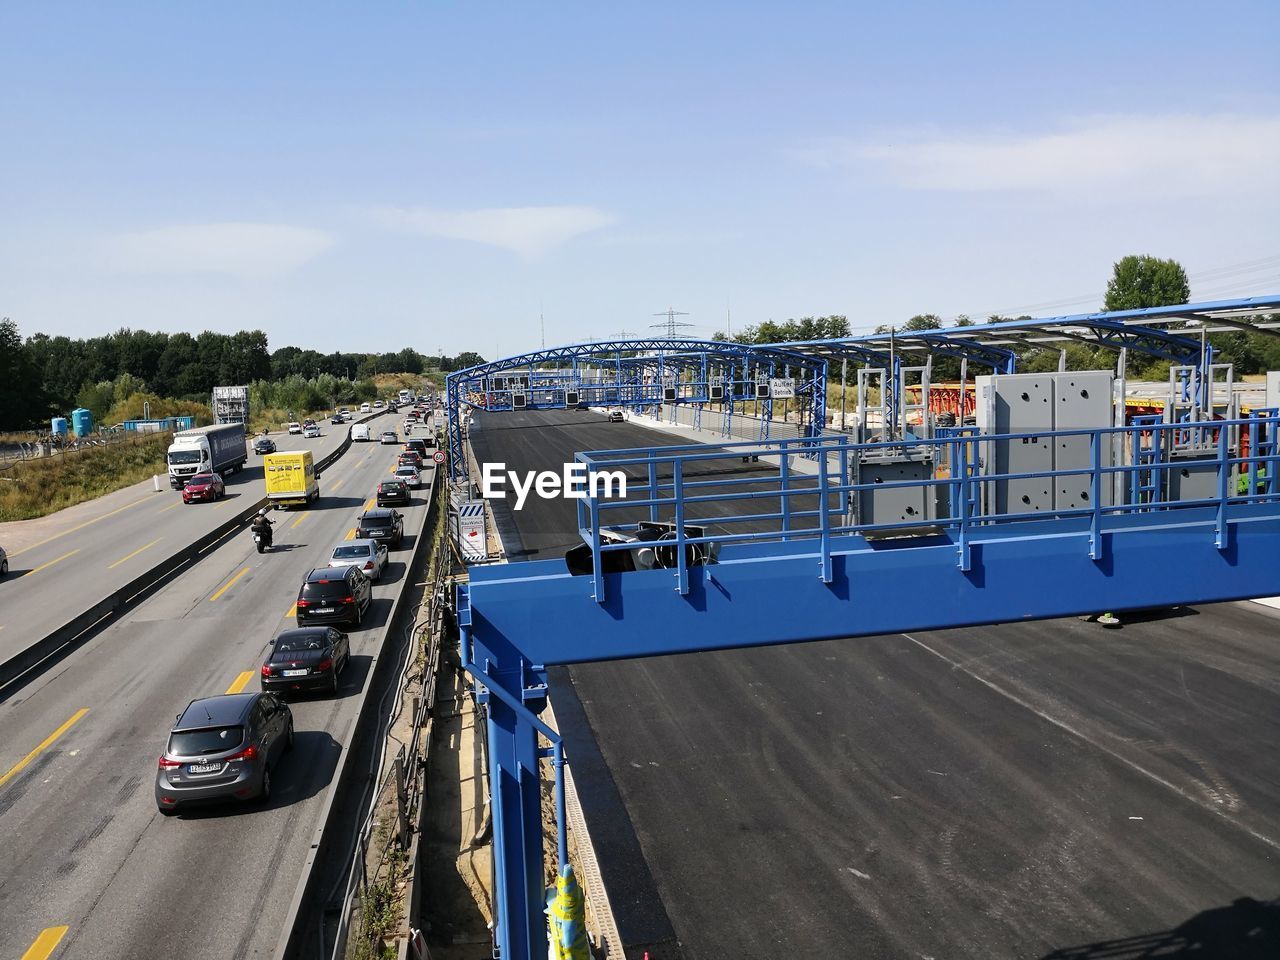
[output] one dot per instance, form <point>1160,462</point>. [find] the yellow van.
<point>291,478</point>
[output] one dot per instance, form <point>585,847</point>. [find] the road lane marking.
<point>171,506</point>
<point>21,765</point>
<point>45,566</point>
<point>293,612</point>
<point>46,943</point>
<point>305,514</point>
<point>227,586</point>
<point>79,527</point>
<point>337,485</point>
<point>135,553</point>
<point>351,534</point>
<point>240,682</point>
<point>369,505</point>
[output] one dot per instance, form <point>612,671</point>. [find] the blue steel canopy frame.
<point>816,577</point>
<point>640,369</point>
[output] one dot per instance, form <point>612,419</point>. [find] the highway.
<point>60,565</point>
<point>85,847</point>
<point>1048,790</point>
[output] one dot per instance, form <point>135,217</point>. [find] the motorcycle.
<point>262,538</point>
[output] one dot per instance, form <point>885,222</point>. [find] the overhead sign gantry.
<point>638,373</point>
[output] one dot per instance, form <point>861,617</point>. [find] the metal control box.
<point>1030,406</point>
<point>914,504</point>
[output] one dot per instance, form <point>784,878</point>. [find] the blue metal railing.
<point>801,489</point>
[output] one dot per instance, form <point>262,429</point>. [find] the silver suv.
<point>223,748</point>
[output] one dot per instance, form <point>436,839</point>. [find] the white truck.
<point>218,449</point>
<point>359,431</point>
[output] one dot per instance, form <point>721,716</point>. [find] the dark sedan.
<point>392,492</point>
<point>309,658</point>
<point>204,486</point>
<point>264,445</point>
<point>223,748</point>
<point>385,526</point>
<point>334,595</point>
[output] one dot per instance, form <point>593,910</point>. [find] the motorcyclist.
<point>262,526</point>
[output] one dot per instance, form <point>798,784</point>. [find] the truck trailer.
<point>291,478</point>
<point>219,449</point>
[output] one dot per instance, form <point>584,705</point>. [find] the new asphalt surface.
<point>1049,790</point>
<point>83,844</point>
<point>100,546</point>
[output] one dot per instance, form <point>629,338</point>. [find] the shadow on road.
<point>302,773</point>
<point>1248,929</point>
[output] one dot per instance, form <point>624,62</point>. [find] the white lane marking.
<point>859,874</point>
<point>1063,725</point>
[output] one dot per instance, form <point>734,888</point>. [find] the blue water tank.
<point>58,426</point>
<point>82,421</point>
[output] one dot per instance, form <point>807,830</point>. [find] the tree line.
<point>42,376</point>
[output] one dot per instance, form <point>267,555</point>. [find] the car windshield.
<point>294,644</point>
<point>185,456</point>
<point>406,471</point>
<point>201,478</point>
<point>197,743</point>
<point>393,487</point>
<point>326,589</point>
<point>351,553</point>
<point>376,522</point>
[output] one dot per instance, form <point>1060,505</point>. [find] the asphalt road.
<point>1039,790</point>
<point>106,543</point>
<point>84,845</point>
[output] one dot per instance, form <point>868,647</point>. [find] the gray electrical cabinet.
<point>1193,477</point>
<point>1273,388</point>
<point>1034,405</point>
<point>918,504</point>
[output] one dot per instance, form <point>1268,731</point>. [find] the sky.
<point>441,175</point>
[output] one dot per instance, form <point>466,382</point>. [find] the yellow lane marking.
<point>369,505</point>
<point>21,765</point>
<point>79,527</point>
<point>171,506</point>
<point>305,514</point>
<point>227,586</point>
<point>293,612</point>
<point>45,566</point>
<point>338,484</point>
<point>240,682</point>
<point>135,553</point>
<point>46,943</point>
<point>351,534</point>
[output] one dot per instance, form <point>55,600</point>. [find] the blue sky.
<point>374,175</point>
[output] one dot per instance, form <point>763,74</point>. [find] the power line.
<point>671,323</point>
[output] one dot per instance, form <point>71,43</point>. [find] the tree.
<point>21,399</point>
<point>1144,281</point>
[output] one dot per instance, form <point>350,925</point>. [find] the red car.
<point>204,486</point>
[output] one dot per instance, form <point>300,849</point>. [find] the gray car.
<point>369,555</point>
<point>223,748</point>
<point>4,563</point>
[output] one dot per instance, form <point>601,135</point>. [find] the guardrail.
<point>87,623</point>
<point>678,486</point>
<point>299,940</point>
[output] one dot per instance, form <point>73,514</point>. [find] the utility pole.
<point>542,326</point>
<point>671,323</point>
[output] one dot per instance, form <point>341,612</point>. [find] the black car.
<point>308,658</point>
<point>393,492</point>
<point>385,526</point>
<point>334,595</point>
<point>223,748</point>
<point>264,445</point>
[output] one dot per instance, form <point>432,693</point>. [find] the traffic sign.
<point>438,456</point>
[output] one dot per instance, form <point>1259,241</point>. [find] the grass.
<point>37,488</point>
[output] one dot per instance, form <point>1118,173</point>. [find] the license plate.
<point>296,673</point>
<point>324,610</point>
<point>202,767</point>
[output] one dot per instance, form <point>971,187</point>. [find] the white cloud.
<point>1133,156</point>
<point>527,231</point>
<point>234,249</point>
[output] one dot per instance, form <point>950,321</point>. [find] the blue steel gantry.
<point>635,373</point>
<point>736,557</point>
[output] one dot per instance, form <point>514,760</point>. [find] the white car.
<point>369,555</point>
<point>408,427</point>
<point>295,426</point>
<point>365,408</point>
<point>311,431</point>
<point>412,479</point>
<point>378,404</point>
<point>388,436</point>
